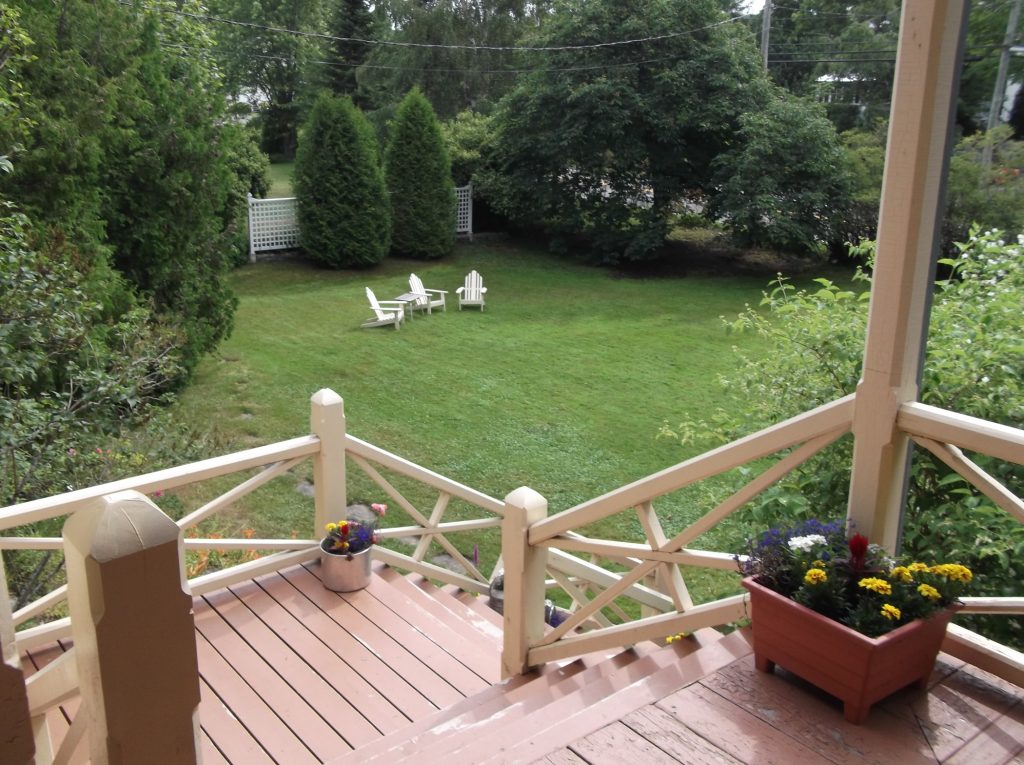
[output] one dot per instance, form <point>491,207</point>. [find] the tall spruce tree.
<point>419,177</point>
<point>344,220</point>
<point>351,20</point>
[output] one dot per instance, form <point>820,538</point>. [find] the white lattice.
<point>274,223</point>
<point>464,216</point>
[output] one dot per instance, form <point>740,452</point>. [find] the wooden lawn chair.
<point>385,311</point>
<point>472,292</point>
<point>426,299</point>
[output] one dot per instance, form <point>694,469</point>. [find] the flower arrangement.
<point>849,580</point>
<point>351,537</point>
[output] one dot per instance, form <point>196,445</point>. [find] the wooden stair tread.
<point>444,607</point>
<point>544,723</point>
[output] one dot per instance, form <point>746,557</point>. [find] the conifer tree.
<point>420,181</point>
<point>344,219</point>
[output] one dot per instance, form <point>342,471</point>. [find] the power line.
<point>400,44</point>
<point>832,61</point>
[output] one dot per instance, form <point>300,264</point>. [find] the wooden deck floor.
<point>292,674</point>
<point>739,715</point>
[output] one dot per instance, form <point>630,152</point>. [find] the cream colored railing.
<point>654,576</point>
<point>330,448</point>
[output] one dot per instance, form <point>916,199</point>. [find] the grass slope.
<point>560,384</point>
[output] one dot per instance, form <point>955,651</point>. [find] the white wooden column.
<point>920,128</point>
<point>525,569</point>
<point>135,642</point>
<point>16,739</point>
<point>327,420</point>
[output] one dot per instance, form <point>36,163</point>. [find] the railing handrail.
<point>409,469</point>
<point>169,478</point>
<point>824,419</point>
<point>1001,441</point>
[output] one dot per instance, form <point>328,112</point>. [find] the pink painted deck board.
<point>292,673</point>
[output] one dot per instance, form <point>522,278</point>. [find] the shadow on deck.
<point>292,673</point>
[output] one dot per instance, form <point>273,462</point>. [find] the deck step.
<point>564,716</point>
<point>443,605</point>
<point>531,691</point>
<point>529,717</point>
<point>478,603</point>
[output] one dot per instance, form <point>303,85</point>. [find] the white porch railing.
<point>655,564</point>
<point>539,553</point>
<point>274,223</point>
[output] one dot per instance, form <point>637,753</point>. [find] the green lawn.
<point>560,384</point>
<point>281,179</point>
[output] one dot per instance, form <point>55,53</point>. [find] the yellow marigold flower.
<point>818,564</point>
<point>815,576</point>
<point>902,573</point>
<point>890,612</point>
<point>953,571</point>
<point>875,584</point>
<point>915,567</point>
<point>331,527</point>
<point>929,592</point>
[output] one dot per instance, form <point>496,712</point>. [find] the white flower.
<point>806,543</point>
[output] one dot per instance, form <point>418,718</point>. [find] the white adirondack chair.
<point>472,292</point>
<point>426,299</point>
<point>385,311</point>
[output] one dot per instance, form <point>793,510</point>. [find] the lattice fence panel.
<point>274,223</point>
<point>464,216</point>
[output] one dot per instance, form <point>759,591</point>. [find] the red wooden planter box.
<point>852,667</point>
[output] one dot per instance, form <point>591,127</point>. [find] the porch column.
<point>913,190</point>
<point>327,420</point>
<point>135,640</point>
<point>16,739</point>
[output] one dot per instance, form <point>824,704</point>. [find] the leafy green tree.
<point>603,141</point>
<point>419,178</point>
<point>14,44</point>
<point>350,20</point>
<point>71,378</point>
<point>273,67</point>
<point>839,52</point>
<point>468,138</point>
<point>991,197</point>
<point>781,185</point>
<point>974,364</point>
<point>435,56</point>
<point>344,213</point>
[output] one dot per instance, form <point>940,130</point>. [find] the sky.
<point>754,6</point>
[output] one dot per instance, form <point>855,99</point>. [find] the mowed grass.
<point>560,384</point>
<point>281,179</point>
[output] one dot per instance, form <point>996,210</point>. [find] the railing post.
<point>327,420</point>
<point>917,155</point>
<point>16,739</point>
<point>525,569</point>
<point>131,620</point>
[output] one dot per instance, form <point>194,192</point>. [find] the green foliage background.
<point>974,365</point>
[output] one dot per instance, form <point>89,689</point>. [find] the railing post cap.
<point>526,498</point>
<point>119,524</point>
<point>326,397</point>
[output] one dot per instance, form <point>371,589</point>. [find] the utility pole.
<point>766,28</point>
<point>999,92</point>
